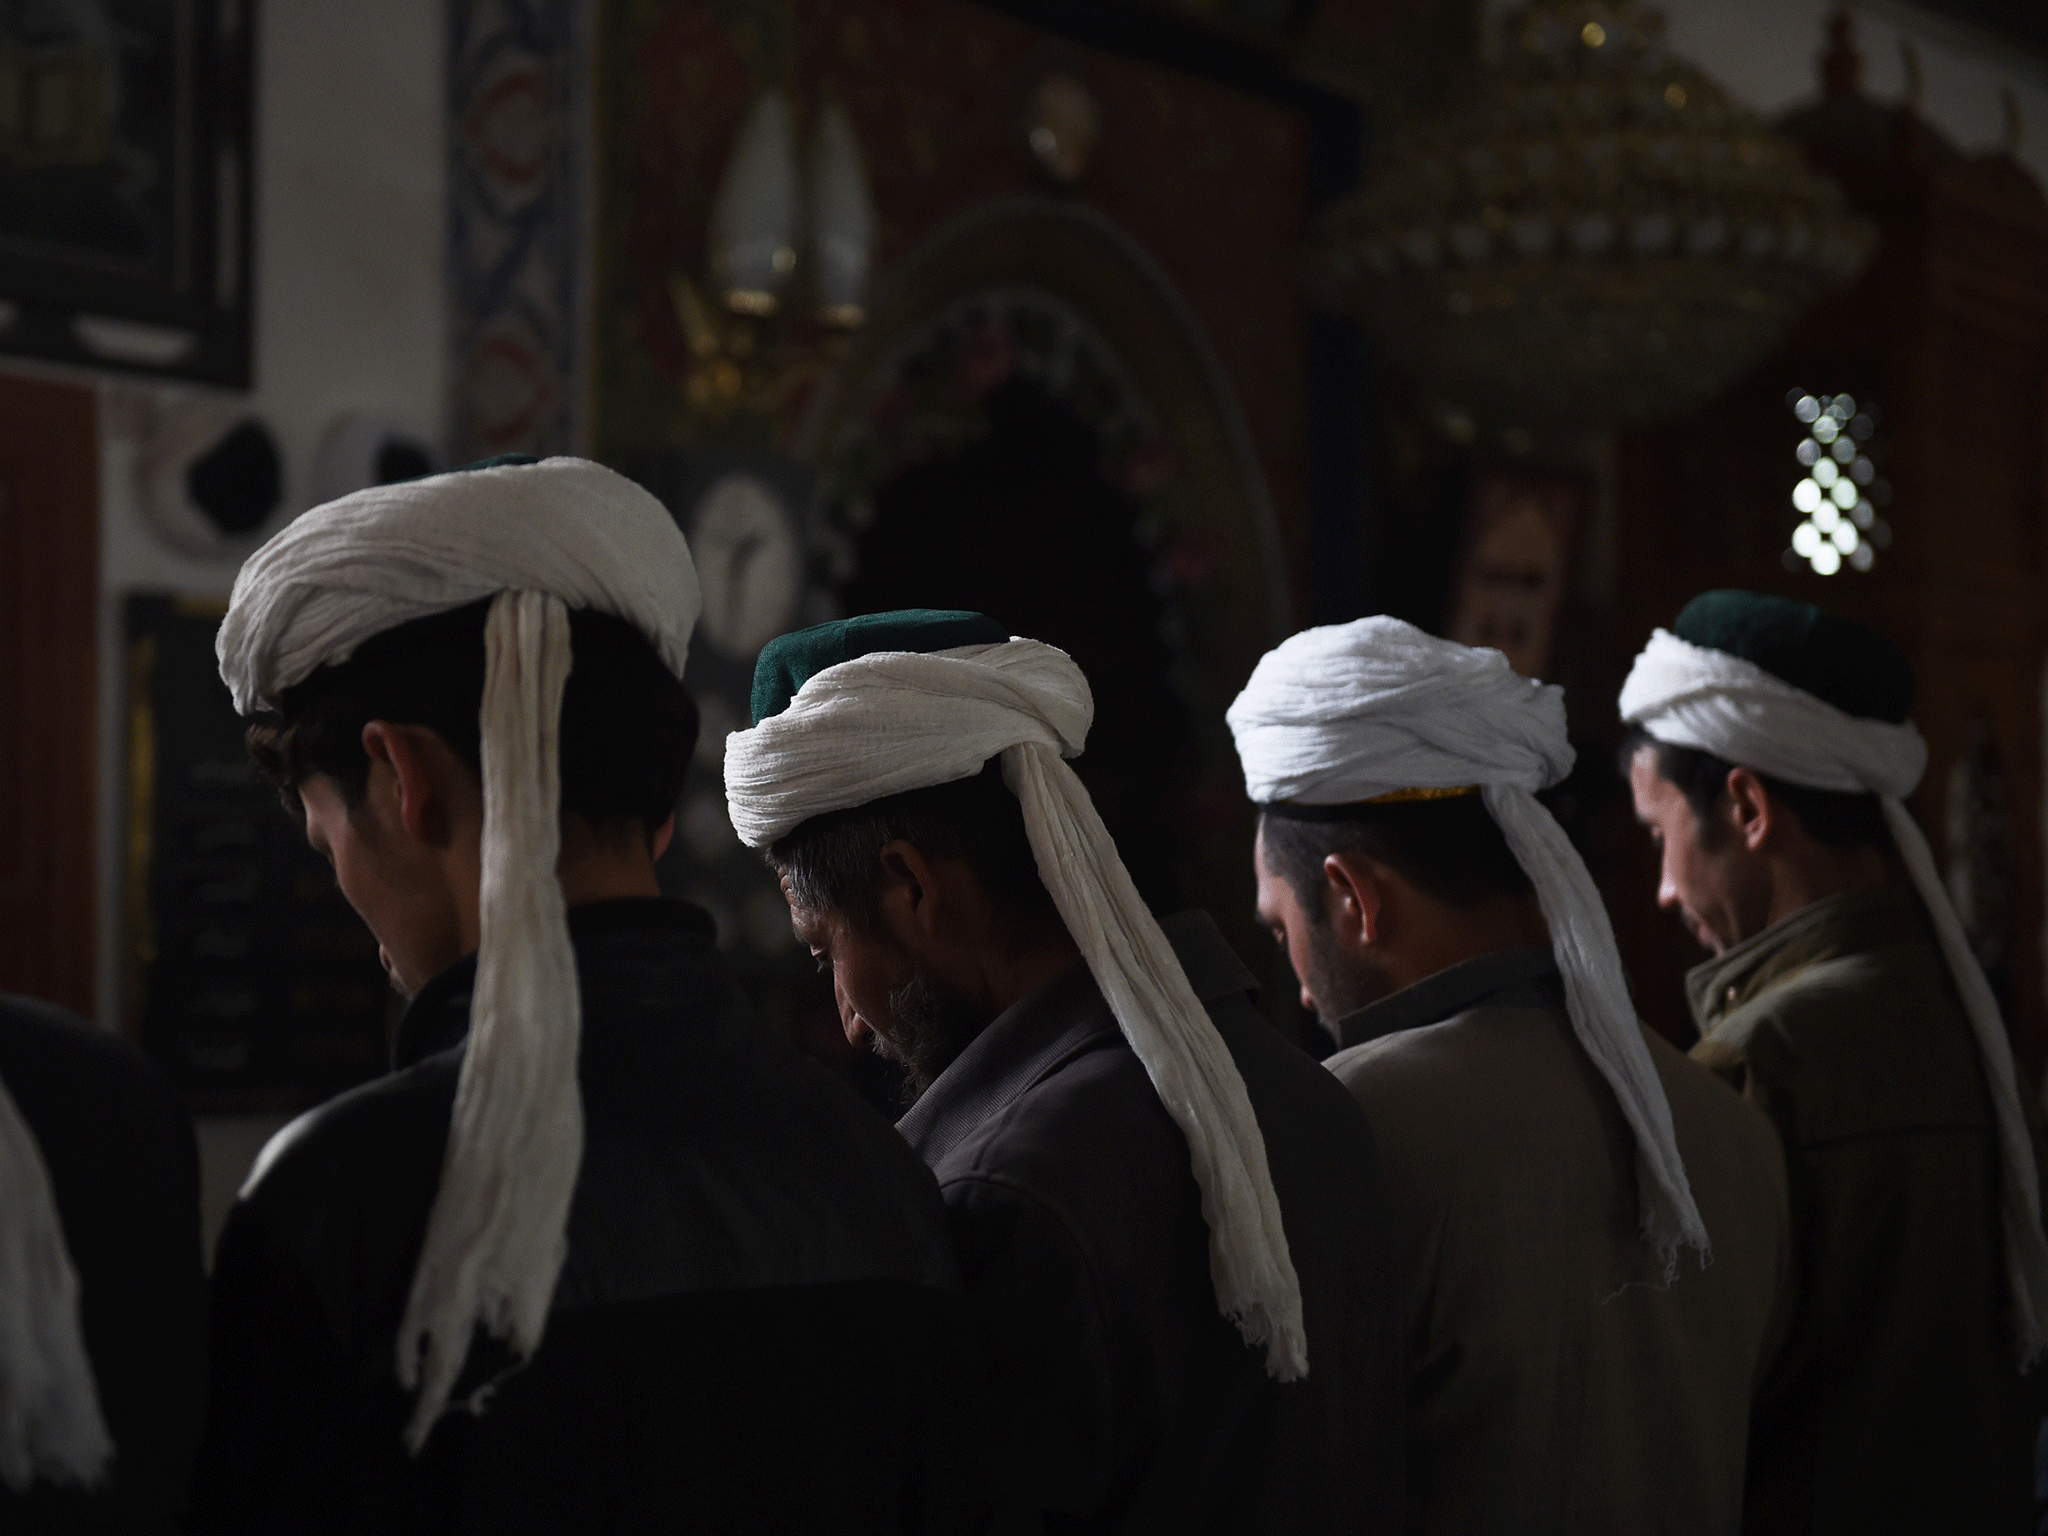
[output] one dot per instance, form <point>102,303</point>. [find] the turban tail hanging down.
<point>891,721</point>
<point>537,539</point>
<point>1716,702</point>
<point>497,1236</point>
<point>1375,709</point>
<point>50,1422</point>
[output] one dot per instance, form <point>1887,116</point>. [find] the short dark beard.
<point>931,1027</point>
<point>1340,984</point>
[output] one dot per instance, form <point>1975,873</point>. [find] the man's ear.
<point>664,834</point>
<point>410,761</point>
<point>1355,900</point>
<point>1747,806</point>
<point>909,884</point>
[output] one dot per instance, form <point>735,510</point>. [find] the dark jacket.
<point>125,1170</point>
<point>1122,1400</point>
<point>1897,1402</point>
<point>757,1328</point>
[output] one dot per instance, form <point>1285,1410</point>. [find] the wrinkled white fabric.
<point>383,556</point>
<point>1715,702</point>
<point>50,1422</point>
<point>1347,712</point>
<point>497,1236</point>
<point>537,539</point>
<point>894,721</point>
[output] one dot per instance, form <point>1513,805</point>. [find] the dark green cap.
<point>789,661</point>
<point>1836,660</point>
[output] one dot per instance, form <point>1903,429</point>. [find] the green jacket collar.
<point>1720,990</point>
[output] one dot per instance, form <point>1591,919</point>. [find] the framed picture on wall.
<point>125,185</point>
<point>1511,579</point>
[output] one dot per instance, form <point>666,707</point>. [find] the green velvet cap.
<point>789,661</point>
<point>1836,660</point>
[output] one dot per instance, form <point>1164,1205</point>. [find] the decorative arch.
<point>1028,325</point>
<point>1216,514</point>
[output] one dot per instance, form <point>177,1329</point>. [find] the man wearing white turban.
<point>1770,753</point>
<point>1170,1222</point>
<point>1576,1364</point>
<point>599,1247</point>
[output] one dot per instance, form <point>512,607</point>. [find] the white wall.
<point>350,315</point>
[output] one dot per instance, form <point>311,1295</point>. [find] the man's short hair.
<point>833,862</point>
<point>628,724</point>
<point>1451,850</point>
<point>1832,818</point>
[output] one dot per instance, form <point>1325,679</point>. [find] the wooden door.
<point>49,568</point>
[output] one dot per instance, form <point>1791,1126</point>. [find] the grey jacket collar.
<point>1506,978</point>
<point>1036,1035</point>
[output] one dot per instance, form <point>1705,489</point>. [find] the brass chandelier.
<point>1590,233</point>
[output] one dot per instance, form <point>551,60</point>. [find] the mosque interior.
<point>1154,329</point>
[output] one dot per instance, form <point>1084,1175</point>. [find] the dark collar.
<point>437,1018</point>
<point>1505,978</point>
<point>1034,1036</point>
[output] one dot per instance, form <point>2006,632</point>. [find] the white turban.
<point>1351,712</point>
<point>1726,705</point>
<point>893,721</point>
<point>538,539</point>
<point>50,1421</point>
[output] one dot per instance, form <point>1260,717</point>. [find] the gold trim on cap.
<point>1400,796</point>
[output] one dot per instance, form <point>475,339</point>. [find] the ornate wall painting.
<point>1033,426</point>
<point>1142,319</point>
<point>939,95</point>
<point>125,185</point>
<point>515,257</point>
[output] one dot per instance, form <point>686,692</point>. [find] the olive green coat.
<point>1895,1403</point>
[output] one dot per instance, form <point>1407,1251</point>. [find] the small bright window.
<point>1839,491</point>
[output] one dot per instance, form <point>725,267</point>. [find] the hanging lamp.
<point>1589,233</point>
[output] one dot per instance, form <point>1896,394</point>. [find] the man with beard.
<point>1571,1368</point>
<point>1769,755</point>
<point>1131,1159</point>
<point>599,1253</point>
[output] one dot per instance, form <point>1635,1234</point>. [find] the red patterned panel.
<point>49,553</point>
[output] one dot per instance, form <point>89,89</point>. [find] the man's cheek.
<point>351,888</point>
<point>854,985</point>
<point>1298,955</point>
<point>851,1024</point>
